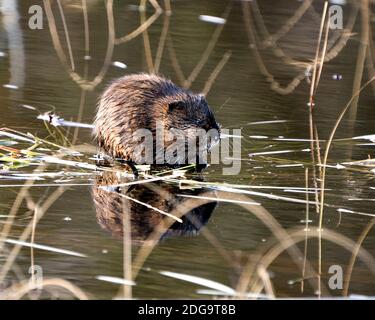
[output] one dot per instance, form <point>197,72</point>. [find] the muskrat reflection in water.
<point>110,206</point>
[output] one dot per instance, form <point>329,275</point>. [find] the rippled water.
<point>242,96</point>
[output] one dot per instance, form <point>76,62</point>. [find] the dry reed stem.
<point>335,49</point>
<point>249,27</point>
<point>33,229</point>
<point>146,40</point>
<point>328,147</point>
<point>168,7</point>
<point>151,207</point>
<point>15,207</point>
<point>127,251</point>
<point>17,291</point>
<point>322,57</point>
<point>362,237</point>
<point>186,206</point>
<point>80,115</point>
<point>152,240</point>
<point>210,81</point>
<point>162,40</point>
<point>363,47</point>
<point>110,46</point>
<point>282,237</point>
<point>329,235</point>
<point>56,41</point>
<point>207,52</point>
<point>313,80</point>
<point>278,52</point>
<point>27,231</point>
<point>86,26</point>
<point>187,82</point>
<point>266,282</point>
<point>370,60</point>
<point>174,61</point>
<point>313,88</point>
<point>290,22</point>
<point>83,83</point>
<point>346,34</point>
<point>67,37</point>
<point>326,153</point>
<point>306,228</point>
<point>142,28</point>
<point>227,256</point>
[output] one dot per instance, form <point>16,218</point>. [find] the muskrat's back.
<point>139,101</point>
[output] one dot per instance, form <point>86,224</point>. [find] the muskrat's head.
<point>191,112</point>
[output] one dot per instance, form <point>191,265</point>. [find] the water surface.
<point>241,96</point>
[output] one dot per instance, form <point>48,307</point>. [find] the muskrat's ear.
<point>176,105</point>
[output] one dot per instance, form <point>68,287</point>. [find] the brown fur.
<point>136,102</point>
<point>111,207</point>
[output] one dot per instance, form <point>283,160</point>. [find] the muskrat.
<point>141,101</point>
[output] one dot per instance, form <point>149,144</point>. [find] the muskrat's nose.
<point>218,128</point>
<point>217,137</point>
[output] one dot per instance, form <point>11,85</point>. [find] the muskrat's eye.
<point>199,122</point>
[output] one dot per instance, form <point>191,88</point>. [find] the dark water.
<point>241,97</point>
